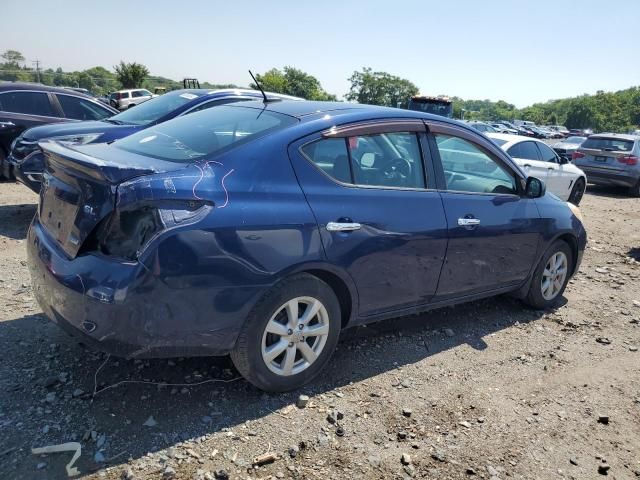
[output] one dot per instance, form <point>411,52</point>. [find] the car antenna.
<point>264,95</point>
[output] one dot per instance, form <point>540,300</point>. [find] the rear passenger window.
<point>29,103</point>
<point>524,150</point>
<point>331,156</point>
<point>468,168</point>
<point>383,160</point>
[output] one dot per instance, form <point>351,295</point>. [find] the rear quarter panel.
<point>260,230</point>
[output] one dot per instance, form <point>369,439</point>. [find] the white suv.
<point>123,99</point>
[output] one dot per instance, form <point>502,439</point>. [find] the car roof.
<point>310,110</point>
<point>4,86</point>
<point>510,139</point>
<point>621,136</point>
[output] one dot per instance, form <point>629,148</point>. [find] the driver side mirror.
<point>562,160</point>
<point>535,188</point>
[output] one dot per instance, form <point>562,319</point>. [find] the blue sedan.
<point>28,160</point>
<point>262,229</point>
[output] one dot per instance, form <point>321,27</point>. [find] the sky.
<point>518,51</point>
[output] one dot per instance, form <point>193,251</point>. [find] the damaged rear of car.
<point>129,247</point>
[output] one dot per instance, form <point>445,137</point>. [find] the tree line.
<point>605,111</point>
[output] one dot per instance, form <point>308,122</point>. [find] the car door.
<point>494,232</point>
<point>527,156</point>
<point>559,180</point>
<point>20,110</point>
<point>380,218</point>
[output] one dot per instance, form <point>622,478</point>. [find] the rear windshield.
<point>498,141</point>
<point>576,140</point>
<point>156,108</point>
<point>610,144</point>
<point>203,134</point>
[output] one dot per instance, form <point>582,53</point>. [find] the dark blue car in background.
<point>264,229</point>
<point>28,161</point>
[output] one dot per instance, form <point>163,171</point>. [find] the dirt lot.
<point>485,390</point>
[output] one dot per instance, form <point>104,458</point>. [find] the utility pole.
<point>37,64</point>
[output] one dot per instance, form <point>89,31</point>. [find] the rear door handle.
<point>343,226</point>
<point>7,124</point>
<point>526,165</point>
<point>468,222</point>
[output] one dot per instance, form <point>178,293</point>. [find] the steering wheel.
<point>397,169</point>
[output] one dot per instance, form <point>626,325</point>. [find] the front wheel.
<point>577,192</point>
<point>289,335</point>
<point>550,277</point>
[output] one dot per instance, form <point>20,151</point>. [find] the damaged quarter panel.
<point>157,258</point>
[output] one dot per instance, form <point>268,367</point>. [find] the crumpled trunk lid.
<point>79,190</point>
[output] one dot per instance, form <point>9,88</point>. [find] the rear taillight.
<point>628,160</point>
<point>577,155</point>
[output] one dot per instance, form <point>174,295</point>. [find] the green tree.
<point>12,58</point>
<point>292,81</point>
<point>131,75</point>
<point>380,88</point>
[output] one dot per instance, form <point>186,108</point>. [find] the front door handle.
<point>7,124</point>
<point>527,165</point>
<point>468,222</point>
<point>343,226</point>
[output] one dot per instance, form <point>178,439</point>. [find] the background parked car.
<point>501,128</point>
<point>519,130</point>
<point>25,105</point>
<point>481,127</point>
<point>551,132</point>
<point>123,99</point>
<point>611,159</point>
<point>262,230</point>
<point>538,160</point>
<point>528,132</point>
<point>567,146</point>
<point>562,129</point>
<point>28,161</point>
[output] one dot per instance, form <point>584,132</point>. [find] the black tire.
<point>635,190</point>
<point>247,353</point>
<point>3,159</point>
<point>577,192</point>
<point>535,297</point>
<point>6,170</point>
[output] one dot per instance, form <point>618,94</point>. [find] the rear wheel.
<point>577,192</point>
<point>550,277</point>
<point>635,190</point>
<point>289,335</point>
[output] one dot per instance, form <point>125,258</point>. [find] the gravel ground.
<point>489,389</point>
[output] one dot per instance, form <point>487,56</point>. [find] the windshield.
<point>156,108</point>
<point>576,140</point>
<point>610,144</point>
<point>203,134</point>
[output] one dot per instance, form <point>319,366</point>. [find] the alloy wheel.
<point>554,275</point>
<point>295,336</point>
